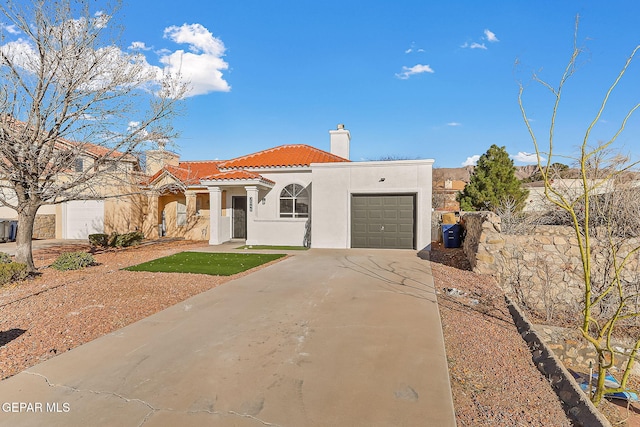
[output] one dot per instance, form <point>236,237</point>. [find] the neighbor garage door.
<point>383,221</point>
<point>82,217</point>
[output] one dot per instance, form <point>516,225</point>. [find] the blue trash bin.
<point>13,230</point>
<point>451,235</point>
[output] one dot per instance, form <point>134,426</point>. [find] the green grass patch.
<point>215,264</point>
<point>275,248</point>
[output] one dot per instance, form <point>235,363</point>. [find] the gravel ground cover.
<point>493,379</point>
<point>58,311</point>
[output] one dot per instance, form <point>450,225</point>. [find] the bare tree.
<point>68,94</point>
<point>609,303</point>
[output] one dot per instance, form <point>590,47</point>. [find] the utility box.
<point>451,235</point>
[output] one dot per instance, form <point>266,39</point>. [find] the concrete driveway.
<point>324,338</point>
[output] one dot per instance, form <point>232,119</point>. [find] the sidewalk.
<point>10,247</point>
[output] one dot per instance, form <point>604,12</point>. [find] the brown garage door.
<point>383,221</point>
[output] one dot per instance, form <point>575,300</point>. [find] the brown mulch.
<point>57,311</point>
<point>493,379</point>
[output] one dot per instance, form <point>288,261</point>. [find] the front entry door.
<point>239,205</point>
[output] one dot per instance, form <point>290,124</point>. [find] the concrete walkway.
<point>324,338</point>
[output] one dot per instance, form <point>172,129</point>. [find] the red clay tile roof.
<point>193,172</point>
<point>236,175</point>
<point>282,156</point>
<point>189,172</point>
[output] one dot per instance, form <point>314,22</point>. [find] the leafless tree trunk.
<point>75,109</point>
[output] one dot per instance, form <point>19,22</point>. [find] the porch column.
<point>151,221</point>
<point>215,210</point>
<point>252,214</point>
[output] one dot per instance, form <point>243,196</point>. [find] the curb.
<point>577,406</point>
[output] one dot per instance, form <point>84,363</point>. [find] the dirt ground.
<point>493,379</point>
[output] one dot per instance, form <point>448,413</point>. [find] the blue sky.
<point>413,79</point>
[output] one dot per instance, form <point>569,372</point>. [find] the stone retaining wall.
<point>542,269</point>
<point>44,227</point>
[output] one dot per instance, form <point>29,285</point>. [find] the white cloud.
<point>11,29</point>
<point>202,65</point>
<point>22,53</point>
<point>416,69</point>
<point>101,19</point>
<point>474,45</point>
<point>454,124</point>
<point>471,161</point>
<point>528,158</point>
<point>413,49</point>
<point>490,36</point>
<point>139,46</point>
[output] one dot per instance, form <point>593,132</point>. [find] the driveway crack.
<point>254,418</point>
<point>152,409</point>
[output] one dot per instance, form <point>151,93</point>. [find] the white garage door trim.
<point>81,218</point>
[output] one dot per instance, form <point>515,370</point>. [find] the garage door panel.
<point>374,214</point>
<point>405,228</point>
<point>374,227</point>
<point>389,214</point>
<point>383,221</point>
<point>391,228</point>
<point>83,217</point>
<point>405,242</point>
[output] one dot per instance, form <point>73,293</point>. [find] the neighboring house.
<point>291,195</point>
<point>445,195</point>
<point>570,188</point>
<point>107,203</point>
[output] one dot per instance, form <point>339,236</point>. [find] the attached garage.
<point>383,221</point>
<point>81,218</point>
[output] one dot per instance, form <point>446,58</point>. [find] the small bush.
<point>5,258</point>
<point>111,240</point>
<point>12,272</point>
<point>73,261</point>
<point>129,239</point>
<point>116,240</point>
<point>99,239</point>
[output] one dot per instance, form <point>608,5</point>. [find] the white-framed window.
<point>294,202</point>
<point>78,164</point>
<point>181,214</point>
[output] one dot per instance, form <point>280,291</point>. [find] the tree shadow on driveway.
<point>10,335</point>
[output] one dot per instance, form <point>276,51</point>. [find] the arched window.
<point>294,202</point>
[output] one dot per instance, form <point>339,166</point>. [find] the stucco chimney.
<point>340,141</point>
<point>157,159</point>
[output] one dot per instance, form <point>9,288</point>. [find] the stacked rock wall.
<point>44,227</point>
<point>542,269</point>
